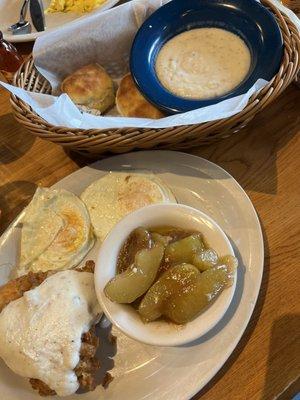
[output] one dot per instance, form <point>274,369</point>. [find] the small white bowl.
<point>160,333</point>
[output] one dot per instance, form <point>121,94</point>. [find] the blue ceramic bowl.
<point>246,18</point>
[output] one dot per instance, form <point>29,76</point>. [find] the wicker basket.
<point>97,141</point>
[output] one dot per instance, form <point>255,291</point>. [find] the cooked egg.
<point>56,232</point>
<point>115,195</point>
<point>80,6</point>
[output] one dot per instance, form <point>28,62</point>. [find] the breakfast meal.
<point>115,195</point>
<point>79,6</point>
<point>90,86</point>
<point>169,272</point>
<point>203,63</point>
<point>131,103</point>
<point>49,311</point>
<point>166,275</point>
<point>154,75</point>
<point>47,328</point>
<point>56,232</point>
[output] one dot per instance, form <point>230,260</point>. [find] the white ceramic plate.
<point>10,11</point>
<point>156,373</point>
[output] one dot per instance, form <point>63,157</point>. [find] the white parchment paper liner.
<point>106,38</point>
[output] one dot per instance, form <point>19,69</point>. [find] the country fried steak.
<point>88,365</point>
<point>85,369</point>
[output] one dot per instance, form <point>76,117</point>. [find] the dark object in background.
<point>10,60</point>
<point>37,14</point>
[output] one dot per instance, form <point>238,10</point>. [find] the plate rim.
<point>196,387</point>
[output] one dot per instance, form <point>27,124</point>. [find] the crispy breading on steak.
<point>108,378</point>
<point>88,365</point>
<point>15,289</point>
<point>85,369</point>
<point>42,388</point>
<point>89,266</point>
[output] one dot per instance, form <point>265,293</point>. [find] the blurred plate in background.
<point>10,11</point>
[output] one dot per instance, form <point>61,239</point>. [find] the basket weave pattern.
<point>97,141</point>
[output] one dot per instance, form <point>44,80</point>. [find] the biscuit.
<point>131,103</point>
<point>90,86</point>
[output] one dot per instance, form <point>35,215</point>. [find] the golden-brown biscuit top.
<point>131,103</point>
<point>90,86</point>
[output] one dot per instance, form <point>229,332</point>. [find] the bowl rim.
<point>174,338</point>
<point>271,53</point>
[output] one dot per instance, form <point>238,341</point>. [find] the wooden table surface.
<point>264,158</point>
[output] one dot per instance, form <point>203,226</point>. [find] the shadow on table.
<point>81,160</point>
<point>251,326</point>
<point>251,155</point>
<point>279,363</point>
<point>14,196</point>
<point>13,145</point>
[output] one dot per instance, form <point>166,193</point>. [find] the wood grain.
<point>264,158</point>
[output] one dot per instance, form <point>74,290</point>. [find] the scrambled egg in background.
<point>80,6</point>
